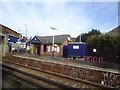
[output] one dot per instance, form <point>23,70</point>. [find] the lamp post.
<point>80,38</point>
<point>26,29</point>
<point>25,39</point>
<point>53,42</point>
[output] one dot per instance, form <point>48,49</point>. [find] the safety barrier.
<point>93,59</point>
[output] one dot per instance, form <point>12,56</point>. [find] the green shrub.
<point>107,46</point>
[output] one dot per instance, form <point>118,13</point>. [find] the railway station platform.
<point>105,65</point>
<point>78,69</point>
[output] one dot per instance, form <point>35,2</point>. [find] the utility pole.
<point>53,42</point>
<point>26,29</point>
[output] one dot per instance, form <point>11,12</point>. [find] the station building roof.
<point>58,39</point>
<point>10,31</point>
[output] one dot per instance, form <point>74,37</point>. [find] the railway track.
<point>43,79</point>
<point>16,81</point>
<point>29,80</point>
<point>38,81</point>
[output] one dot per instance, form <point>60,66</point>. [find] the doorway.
<point>36,49</point>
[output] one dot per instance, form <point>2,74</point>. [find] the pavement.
<point>106,65</point>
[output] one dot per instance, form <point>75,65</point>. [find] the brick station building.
<point>7,35</point>
<point>42,45</point>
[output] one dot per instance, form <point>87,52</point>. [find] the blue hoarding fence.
<point>77,50</point>
<point>65,53</point>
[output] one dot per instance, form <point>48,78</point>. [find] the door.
<point>38,49</point>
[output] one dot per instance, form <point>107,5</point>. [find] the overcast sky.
<point>71,18</point>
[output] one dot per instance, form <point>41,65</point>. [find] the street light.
<point>53,42</point>
<point>80,38</point>
<point>26,29</point>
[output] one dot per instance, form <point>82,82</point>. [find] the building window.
<point>75,47</point>
<point>52,48</point>
<point>48,48</point>
<point>58,49</point>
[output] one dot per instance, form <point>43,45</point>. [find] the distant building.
<point>42,45</point>
<point>7,35</point>
<point>115,31</point>
<point>73,39</point>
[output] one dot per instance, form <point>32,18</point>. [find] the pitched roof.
<point>8,30</point>
<point>115,31</point>
<point>57,39</point>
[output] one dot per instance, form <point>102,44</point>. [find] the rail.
<point>55,80</point>
<point>96,77</point>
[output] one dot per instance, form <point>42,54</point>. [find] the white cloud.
<point>39,17</point>
<point>56,16</point>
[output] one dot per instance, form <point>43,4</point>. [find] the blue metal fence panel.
<point>65,53</point>
<point>78,50</point>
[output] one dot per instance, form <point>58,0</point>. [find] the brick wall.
<point>99,76</point>
<point>49,53</point>
<point>42,50</point>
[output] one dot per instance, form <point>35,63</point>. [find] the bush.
<point>107,46</point>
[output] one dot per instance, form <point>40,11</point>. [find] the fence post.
<point>100,59</point>
<point>94,59</point>
<point>89,58</point>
